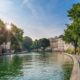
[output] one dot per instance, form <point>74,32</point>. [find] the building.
<point>57,44</point>
<point>4,48</point>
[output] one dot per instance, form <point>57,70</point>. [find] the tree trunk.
<point>75,47</point>
<point>75,50</point>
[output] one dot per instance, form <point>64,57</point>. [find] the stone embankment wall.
<point>75,71</point>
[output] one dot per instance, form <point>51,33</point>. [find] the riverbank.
<point>75,72</point>
<point>36,66</point>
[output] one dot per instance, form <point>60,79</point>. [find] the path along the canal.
<point>76,68</point>
<point>78,59</point>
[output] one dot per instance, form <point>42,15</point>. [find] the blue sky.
<point>38,18</point>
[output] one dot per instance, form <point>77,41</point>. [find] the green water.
<point>34,66</point>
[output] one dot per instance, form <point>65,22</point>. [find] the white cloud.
<point>34,26</point>
<point>29,4</point>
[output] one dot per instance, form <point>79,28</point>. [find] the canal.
<point>35,66</point>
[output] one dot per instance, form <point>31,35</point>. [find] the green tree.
<point>74,12</point>
<point>36,45</point>
<point>27,43</point>
<point>2,32</point>
<point>72,33</point>
<point>44,43</point>
<point>16,37</point>
<point>41,44</point>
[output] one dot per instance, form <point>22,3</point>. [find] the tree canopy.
<point>41,44</point>
<point>44,43</point>
<point>3,32</point>
<point>72,33</point>
<point>15,35</point>
<point>27,43</point>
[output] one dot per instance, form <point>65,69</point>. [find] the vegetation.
<point>36,45</point>
<point>27,43</point>
<point>15,35</point>
<point>44,43</point>
<point>18,42</point>
<point>70,50</point>
<point>2,32</point>
<point>72,33</point>
<point>41,44</point>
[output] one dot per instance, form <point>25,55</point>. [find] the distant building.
<point>5,47</point>
<point>8,45</point>
<point>57,44</point>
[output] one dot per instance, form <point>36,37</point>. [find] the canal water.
<point>35,66</point>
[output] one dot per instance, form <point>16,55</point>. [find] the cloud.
<point>38,19</point>
<point>40,23</point>
<point>30,4</point>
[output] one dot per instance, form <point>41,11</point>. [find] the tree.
<point>72,33</point>
<point>61,36</point>
<point>41,44</point>
<point>16,37</point>
<point>74,12</point>
<point>2,32</point>
<point>44,43</point>
<point>27,42</point>
<point>36,45</point>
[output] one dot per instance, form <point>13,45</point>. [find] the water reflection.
<point>10,67</point>
<point>34,66</point>
<point>67,68</point>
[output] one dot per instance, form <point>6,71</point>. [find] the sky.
<point>38,18</point>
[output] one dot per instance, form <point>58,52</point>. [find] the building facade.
<point>4,48</point>
<point>57,44</point>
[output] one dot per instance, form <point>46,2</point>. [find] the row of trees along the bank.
<point>72,32</point>
<point>14,35</point>
<point>41,44</point>
<point>18,42</point>
<point>36,45</point>
<point>27,43</point>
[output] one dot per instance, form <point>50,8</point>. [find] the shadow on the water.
<point>10,66</point>
<point>67,69</point>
